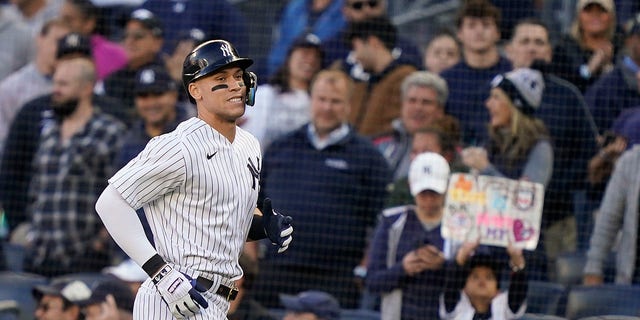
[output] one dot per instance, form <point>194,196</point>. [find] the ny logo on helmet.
<point>226,50</point>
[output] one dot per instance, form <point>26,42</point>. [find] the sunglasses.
<point>360,4</point>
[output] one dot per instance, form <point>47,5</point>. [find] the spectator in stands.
<point>321,18</point>
<point>570,125</point>
<point>35,13</point>
<point>618,216</point>
<point>109,300</point>
<point>310,305</point>
<point>478,23</point>
<point>334,180</point>
<point>218,19</point>
<point>143,41</point>
<point>519,147</point>
<point>21,50</point>
<point>424,95</point>
<point>20,148</point>
<point>37,74</point>
<point>245,307</point>
<point>376,102</point>
<point>472,286</point>
<point>82,17</point>
<point>619,89</point>
<point>59,300</point>
<point>442,52</point>
<point>282,105</point>
<point>157,108</point>
<point>406,254</point>
<point>590,48</point>
<point>339,48</point>
<point>74,158</point>
<point>437,138</point>
<point>129,273</point>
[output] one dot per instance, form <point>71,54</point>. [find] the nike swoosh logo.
<point>209,156</point>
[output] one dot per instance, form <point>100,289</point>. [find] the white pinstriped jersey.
<point>199,192</point>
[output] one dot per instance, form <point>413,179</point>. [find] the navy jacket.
<point>468,89</point>
<point>334,195</point>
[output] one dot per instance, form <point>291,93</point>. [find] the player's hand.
<point>180,292</point>
<point>276,226</point>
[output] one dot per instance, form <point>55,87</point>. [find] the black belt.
<point>226,292</point>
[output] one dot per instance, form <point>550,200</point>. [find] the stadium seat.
<point>14,256</point>
<point>569,268</point>
<point>544,297</point>
<point>535,316</point>
<point>610,317</point>
<point>17,286</point>
<point>607,299</point>
<point>359,314</point>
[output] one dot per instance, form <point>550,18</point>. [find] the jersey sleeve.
<point>157,170</point>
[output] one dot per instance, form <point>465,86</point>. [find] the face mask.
<point>66,108</point>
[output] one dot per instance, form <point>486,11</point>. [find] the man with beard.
<point>74,157</point>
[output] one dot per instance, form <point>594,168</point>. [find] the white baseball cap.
<point>428,171</point>
<point>127,271</point>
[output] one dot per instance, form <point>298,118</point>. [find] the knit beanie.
<point>524,87</point>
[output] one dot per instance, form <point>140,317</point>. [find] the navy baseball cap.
<point>154,79</point>
<point>121,293</point>
<point>148,20</point>
<point>74,43</point>
<point>320,303</point>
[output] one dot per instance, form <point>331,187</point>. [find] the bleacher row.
<point>565,298</point>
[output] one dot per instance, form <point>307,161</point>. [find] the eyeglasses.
<point>360,4</point>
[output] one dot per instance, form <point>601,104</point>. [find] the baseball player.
<point>198,186</point>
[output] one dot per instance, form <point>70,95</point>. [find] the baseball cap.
<point>148,20</point>
<point>121,293</point>
<point>197,35</point>
<point>127,271</point>
<point>524,87</point>
<point>428,171</point>
<point>73,291</point>
<point>606,4</point>
<point>308,40</point>
<point>154,79</point>
<point>73,43</point>
<point>320,303</point>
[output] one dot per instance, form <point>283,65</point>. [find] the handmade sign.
<point>496,211</point>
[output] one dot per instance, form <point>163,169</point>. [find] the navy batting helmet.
<point>212,56</point>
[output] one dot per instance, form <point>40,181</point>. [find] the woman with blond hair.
<point>589,49</point>
<point>519,146</point>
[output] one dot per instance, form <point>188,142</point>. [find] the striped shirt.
<point>198,191</point>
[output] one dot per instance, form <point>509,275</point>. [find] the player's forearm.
<point>256,231</point>
<point>124,226</point>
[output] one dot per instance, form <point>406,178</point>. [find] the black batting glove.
<point>276,226</point>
